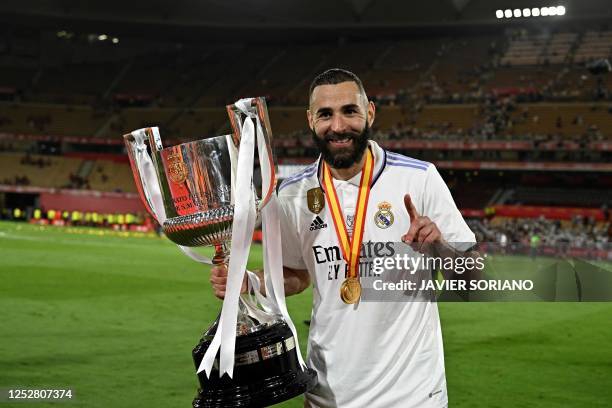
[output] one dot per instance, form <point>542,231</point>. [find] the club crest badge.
<point>350,224</point>
<point>176,169</point>
<point>316,200</point>
<point>350,221</point>
<point>384,217</point>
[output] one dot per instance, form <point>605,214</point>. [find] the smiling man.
<point>341,135</point>
<point>358,198</point>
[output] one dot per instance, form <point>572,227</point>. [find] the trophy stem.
<point>244,321</point>
<point>221,254</point>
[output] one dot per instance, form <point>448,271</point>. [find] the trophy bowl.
<point>196,182</point>
<point>193,185</point>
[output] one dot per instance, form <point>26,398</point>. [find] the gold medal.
<point>350,291</point>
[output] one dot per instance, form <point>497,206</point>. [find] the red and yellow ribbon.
<point>351,247</point>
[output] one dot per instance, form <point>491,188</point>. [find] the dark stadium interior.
<point>510,113</point>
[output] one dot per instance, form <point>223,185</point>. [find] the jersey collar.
<point>380,161</point>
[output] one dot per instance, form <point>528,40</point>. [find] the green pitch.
<point>115,318</point>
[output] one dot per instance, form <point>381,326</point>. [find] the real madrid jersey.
<point>376,354</point>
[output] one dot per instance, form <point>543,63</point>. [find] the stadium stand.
<point>37,170</point>
<point>471,194</point>
<point>460,64</point>
<point>579,232</point>
<point>126,120</point>
<point>594,44</point>
<point>525,50</point>
<point>516,85</point>
<point>559,197</point>
<point>571,120</point>
<point>106,88</point>
<point>77,83</point>
<point>111,176</point>
<point>50,119</point>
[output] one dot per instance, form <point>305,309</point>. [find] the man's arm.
<point>296,280</point>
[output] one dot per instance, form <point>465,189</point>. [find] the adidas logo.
<point>317,224</point>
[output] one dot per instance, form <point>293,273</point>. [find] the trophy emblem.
<point>202,194</point>
<point>177,169</point>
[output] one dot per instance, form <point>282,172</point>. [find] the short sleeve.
<point>292,249</point>
<point>439,206</point>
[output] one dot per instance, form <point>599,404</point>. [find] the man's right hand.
<point>218,279</point>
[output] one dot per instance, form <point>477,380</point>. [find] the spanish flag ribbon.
<point>351,247</point>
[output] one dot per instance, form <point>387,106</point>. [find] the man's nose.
<point>338,124</point>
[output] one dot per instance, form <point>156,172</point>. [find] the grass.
<point>115,318</point>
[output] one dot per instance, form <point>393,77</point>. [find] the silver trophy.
<point>190,189</point>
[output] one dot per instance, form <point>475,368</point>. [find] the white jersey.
<point>372,354</point>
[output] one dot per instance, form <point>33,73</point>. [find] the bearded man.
<point>357,195</point>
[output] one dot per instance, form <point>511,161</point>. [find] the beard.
<point>342,158</point>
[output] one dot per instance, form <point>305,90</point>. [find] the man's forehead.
<point>337,95</point>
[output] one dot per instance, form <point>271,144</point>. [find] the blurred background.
<point>513,109</point>
<point>511,100</point>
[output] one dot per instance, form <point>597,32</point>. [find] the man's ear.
<point>371,113</point>
<point>309,116</point>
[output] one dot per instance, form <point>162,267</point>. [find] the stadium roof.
<point>220,18</point>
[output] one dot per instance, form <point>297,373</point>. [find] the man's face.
<point>340,117</point>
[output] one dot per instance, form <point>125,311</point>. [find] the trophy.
<point>202,194</point>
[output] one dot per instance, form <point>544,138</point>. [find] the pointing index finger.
<point>412,211</point>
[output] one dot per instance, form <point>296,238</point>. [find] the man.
<point>376,354</point>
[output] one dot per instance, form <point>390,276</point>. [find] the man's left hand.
<point>422,229</point>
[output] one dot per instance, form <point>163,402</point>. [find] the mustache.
<point>332,137</point>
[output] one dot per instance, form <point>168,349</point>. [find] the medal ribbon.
<point>350,247</point>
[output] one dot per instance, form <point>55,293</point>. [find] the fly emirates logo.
<point>331,258</point>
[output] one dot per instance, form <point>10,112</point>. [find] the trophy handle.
<point>260,109</point>
<point>134,142</point>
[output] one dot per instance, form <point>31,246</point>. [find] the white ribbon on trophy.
<point>243,227</point>
<point>242,230</point>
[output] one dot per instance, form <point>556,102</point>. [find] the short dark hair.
<point>335,76</point>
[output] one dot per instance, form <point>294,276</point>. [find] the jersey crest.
<point>384,217</point>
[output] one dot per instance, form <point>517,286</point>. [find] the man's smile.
<point>344,142</point>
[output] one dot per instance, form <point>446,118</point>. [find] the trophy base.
<point>272,390</point>
<point>266,371</point>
